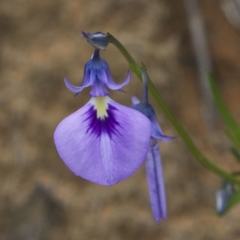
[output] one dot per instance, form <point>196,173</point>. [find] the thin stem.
<point>185,137</point>
<point>144,100</point>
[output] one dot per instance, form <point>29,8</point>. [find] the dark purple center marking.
<point>108,124</point>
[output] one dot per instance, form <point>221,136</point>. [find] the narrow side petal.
<point>101,142</point>
<point>87,81</point>
<point>73,88</point>
<point>114,86</point>
<point>156,183</point>
<point>157,131</point>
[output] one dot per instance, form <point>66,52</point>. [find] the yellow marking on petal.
<point>101,106</point>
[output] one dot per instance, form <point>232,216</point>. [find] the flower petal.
<point>88,79</point>
<point>157,131</point>
<point>98,40</point>
<point>99,89</point>
<point>148,111</point>
<point>111,83</point>
<point>73,88</point>
<point>223,195</point>
<point>101,142</point>
<point>135,100</point>
<point>156,182</point>
<point>145,108</point>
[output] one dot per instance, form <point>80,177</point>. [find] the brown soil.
<point>40,43</point>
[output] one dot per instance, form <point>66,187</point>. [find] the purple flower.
<point>153,160</point>
<point>97,75</point>
<point>103,142</point>
<point>223,195</point>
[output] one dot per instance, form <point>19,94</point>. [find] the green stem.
<point>186,138</point>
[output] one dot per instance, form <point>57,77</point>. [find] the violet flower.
<point>97,75</point>
<point>103,142</point>
<point>153,160</point>
<point>223,195</point>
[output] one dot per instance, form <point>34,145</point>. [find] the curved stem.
<point>185,137</point>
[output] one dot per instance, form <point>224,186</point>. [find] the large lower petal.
<point>156,182</point>
<point>103,142</point>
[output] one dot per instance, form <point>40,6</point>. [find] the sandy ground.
<point>40,43</point>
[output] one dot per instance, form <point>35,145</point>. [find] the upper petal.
<point>103,142</point>
<point>98,39</point>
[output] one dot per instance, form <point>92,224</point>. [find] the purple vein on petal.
<point>99,141</point>
<point>98,126</point>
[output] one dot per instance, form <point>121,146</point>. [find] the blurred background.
<point>40,43</point>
